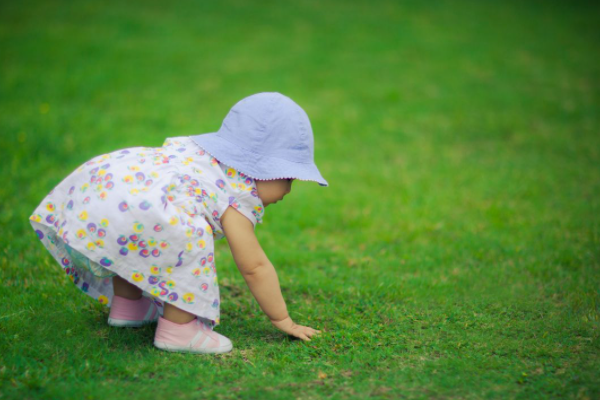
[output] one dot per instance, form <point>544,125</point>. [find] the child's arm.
<point>259,273</point>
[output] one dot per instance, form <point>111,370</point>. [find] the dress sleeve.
<point>244,198</point>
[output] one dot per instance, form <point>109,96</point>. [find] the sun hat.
<point>265,136</point>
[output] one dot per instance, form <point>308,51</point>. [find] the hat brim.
<point>254,165</point>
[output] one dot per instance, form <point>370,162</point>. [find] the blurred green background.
<point>455,254</point>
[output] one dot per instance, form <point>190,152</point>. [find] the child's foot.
<point>193,337</point>
<point>132,313</point>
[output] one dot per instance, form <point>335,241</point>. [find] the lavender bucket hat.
<point>265,136</point>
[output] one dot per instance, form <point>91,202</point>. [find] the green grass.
<point>456,253</point>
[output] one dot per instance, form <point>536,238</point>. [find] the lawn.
<point>456,253</point>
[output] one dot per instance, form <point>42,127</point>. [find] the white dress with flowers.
<point>149,215</point>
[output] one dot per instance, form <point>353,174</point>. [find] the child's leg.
<point>129,308</point>
<point>176,315</point>
<point>125,289</point>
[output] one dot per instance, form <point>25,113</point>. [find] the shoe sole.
<point>124,323</point>
<point>187,349</point>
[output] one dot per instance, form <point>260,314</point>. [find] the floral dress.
<point>149,215</point>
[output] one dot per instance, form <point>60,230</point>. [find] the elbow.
<point>254,269</point>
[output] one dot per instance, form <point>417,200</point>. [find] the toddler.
<point>135,228</point>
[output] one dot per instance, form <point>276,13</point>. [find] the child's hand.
<point>288,326</point>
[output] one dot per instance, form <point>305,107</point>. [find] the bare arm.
<point>259,273</point>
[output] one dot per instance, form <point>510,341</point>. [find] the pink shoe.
<point>193,337</point>
<point>132,313</point>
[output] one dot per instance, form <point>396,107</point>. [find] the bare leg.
<point>176,315</point>
<point>125,289</point>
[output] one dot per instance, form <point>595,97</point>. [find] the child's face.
<point>271,192</point>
